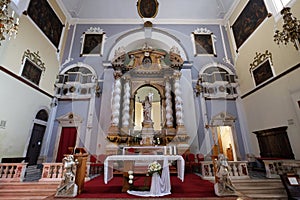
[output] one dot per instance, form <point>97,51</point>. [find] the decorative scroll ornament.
<point>175,49</point>
<point>92,30</point>
<point>260,58</point>
<point>35,58</point>
<point>205,31</point>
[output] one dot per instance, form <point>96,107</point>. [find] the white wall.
<point>19,105</point>
<point>273,105</point>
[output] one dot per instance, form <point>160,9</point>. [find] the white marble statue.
<point>223,185</point>
<point>147,106</point>
<point>68,187</point>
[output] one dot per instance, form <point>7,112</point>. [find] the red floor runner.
<point>192,187</point>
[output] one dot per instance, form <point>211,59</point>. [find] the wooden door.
<point>67,139</point>
<point>35,143</point>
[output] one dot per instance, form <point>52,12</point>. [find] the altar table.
<point>108,163</point>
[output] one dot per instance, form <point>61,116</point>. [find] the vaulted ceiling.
<point>169,11</point>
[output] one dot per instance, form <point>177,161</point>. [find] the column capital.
<point>117,74</point>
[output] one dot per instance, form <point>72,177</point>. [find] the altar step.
<point>261,189</point>
<point>27,190</point>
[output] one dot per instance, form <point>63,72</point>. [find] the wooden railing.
<point>12,171</point>
<point>237,170</point>
<point>274,168</point>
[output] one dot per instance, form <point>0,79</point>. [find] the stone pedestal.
<point>112,149</point>
<point>147,133</point>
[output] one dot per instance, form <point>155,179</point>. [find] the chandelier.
<point>291,29</point>
<point>8,23</point>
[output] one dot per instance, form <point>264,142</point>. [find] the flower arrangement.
<point>154,167</point>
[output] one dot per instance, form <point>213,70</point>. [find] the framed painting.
<point>147,8</point>
<point>45,18</point>
<point>92,42</point>
<point>203,42</point>
<point>249,19</point>
<point>31,71</point>
<point>262,72</point>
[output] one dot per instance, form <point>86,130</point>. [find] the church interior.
<point>109,88</point>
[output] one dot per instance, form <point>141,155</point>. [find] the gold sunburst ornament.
<point>9,24</point>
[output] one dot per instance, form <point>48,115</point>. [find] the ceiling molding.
<point>140,21</point>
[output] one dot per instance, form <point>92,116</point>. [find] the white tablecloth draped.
<point>108,163</point>
<point>160,185</point>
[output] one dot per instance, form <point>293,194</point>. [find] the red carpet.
<point>192,187</point>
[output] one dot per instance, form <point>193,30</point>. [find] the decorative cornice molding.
<point>154,21</point>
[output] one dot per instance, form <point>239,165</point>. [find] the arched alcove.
<point>155,99</point>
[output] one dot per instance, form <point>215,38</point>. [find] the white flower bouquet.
<point>154,167</point>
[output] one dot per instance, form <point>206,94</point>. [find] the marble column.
<point>116,104</point>
<point>126,108</point>
<point>178,99</point>
<point>169,111</point>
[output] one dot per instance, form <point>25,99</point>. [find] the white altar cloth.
<point>160,185</point>
<point>108,163</point>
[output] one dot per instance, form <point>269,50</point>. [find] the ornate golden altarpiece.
<point>156,68</point>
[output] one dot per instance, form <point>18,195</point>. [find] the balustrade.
<point>274,168</point>
<point>237,170</point>
<point>12,171</point>
<point>52,172</point>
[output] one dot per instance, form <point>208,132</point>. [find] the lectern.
<point>81,155</point>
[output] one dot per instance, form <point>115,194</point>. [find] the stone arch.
<point>79,64</point>
<point>214,64</point>
<point>136,39</point>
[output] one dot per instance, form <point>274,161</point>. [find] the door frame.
<point>68,120</point>
<point>226,119</point>
<point>40,122</point>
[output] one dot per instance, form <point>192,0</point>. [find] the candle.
<point>170,149</point>
<point>165,150</point>
<point>175,150</point>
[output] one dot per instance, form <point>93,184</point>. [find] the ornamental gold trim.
<point>260,58</point>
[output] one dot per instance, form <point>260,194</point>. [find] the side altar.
<point>147,105</point>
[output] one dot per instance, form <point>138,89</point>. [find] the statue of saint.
<point>68,187</point>
<point>223,185</point>
<point>147,105</point>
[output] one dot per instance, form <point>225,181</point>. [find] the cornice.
<point>140,21</point>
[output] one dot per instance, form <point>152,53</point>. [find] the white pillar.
<point>169,111</point>
<point>126,103</point>
<point>178,99</point>
<point>90,117</point>
<point>116,100</point>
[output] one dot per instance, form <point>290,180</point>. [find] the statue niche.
<point>147,114</point>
